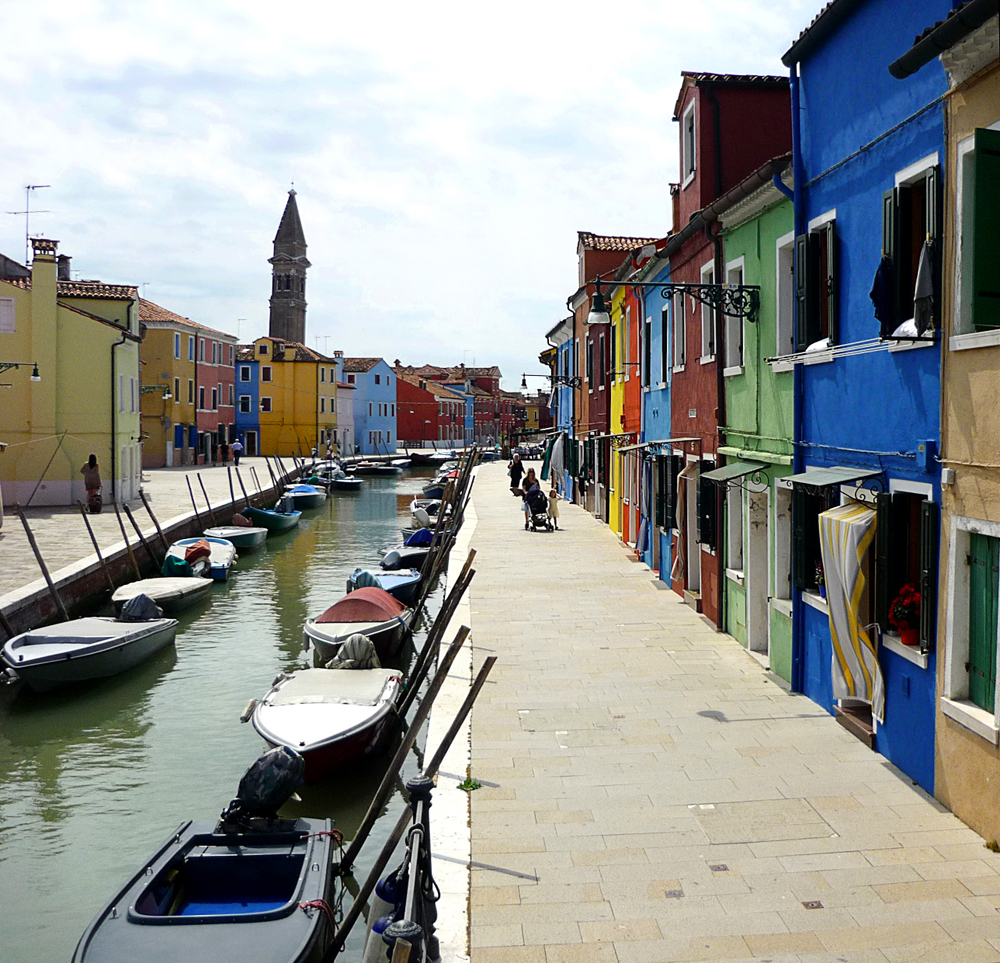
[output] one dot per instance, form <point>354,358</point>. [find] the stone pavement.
<point>62,535</point>
<point>648,794</point>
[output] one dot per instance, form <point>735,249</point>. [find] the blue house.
<point>868,161</point>
<point>463,390</point>
<point>247,400</point>
<point>374,404</point>
<point>560,337</point>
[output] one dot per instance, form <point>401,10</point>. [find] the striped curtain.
<point>846,533</point>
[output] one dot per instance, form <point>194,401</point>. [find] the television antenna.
<point>27,217</point>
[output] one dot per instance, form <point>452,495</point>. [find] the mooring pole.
<point>211,515</point>
<point>232,493</point>
<point>7,627</point>
<point>194,504</point>
<point>149,512</point>
<point>41,563</point>
<point>131,554</point>
<point>142,538</point>
<point>246,497</point>
<point>97,548</point>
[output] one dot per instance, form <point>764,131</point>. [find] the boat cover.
<point>305,490</point>
<point>357,652</point>
<point>317,686</point>
<point>242,521</point>
<point>175,567</point>
<point>420,538</point>
<point>196,550</point>
<point>368,604</point>
<point>140,608</point>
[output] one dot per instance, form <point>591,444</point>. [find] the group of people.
<point>524,483</point>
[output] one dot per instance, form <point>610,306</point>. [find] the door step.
<point>857,720</point>
<point>693,599</point>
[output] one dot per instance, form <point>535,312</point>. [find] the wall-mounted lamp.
<point>734,300</point>
<point>556,379</point>
<point>7,365</point>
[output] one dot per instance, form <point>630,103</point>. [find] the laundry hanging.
<point>923,294</point>
<point>846,533</point>
<point>882,297</point>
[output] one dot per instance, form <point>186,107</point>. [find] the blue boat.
<point>302,498</point>
<point>220,561</point>
<point>402,584</point>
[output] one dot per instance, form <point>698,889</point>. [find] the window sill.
<point>908,652</point>
<point>660,384</point>
<point>777,367</point>
<point>690,177</point>
<point>912,345</point>
<point>677,368</point>
<point>974,339</point>
<point>783,606</point>
<point>706,359</point>
<point>646,389</point>
<point>733,371</point>
<point>736,575</point>
<point>814,601</point>
<point>973,718</point>
<point>707,549</point>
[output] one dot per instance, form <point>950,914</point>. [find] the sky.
<point>444,154</point>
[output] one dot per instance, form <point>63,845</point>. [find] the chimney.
<point>63,271</point>
<point>397,363</point>
<point>338,354</point>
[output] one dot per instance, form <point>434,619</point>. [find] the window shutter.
<point>674,468</point>
<point>707,509</point>
<point>889,223</point>
<point>661,490</point>
<point>983,575</point>
<point>928,573</point>
<point>698,515</point>
<point>801,291</point>
<point>986,240</point>
<point>799,561</point>
<point>830,230</point>
<point>883,542</point>
<point>933,194</point>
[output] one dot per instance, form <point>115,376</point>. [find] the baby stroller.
<point>538,508</point>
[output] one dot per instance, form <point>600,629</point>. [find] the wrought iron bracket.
<point>734,300</point>
<point>623,440</point>
<point>753,483</point>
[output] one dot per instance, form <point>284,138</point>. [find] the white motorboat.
<point>222,554</point>
<point>170,593</point>
<point>369,611</point>
<point>84,649</point>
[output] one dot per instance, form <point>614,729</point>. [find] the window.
<point>782,588</point>
<point>977,268</point>
<point>602,362</point>
<point>910,216</point>
<point>378,379</point>
<point>664,342</point>
<point>784,294</point>
<point>615,335</point>
<point>734,528</point>
<point>707,508</point>
<point>369,409</point>
<point>647,351</point>
<point>131,393</point>
<point>680,332</point>
<point>190,348</point>
<point>388,437</point>
<point>265,404</point>
<point>734,325</point>
<point>177,346</point>
<point>215,399</point>
<point>232,391</point>
<point>350,379</point>
<point>588,347</point>
<point>322,406</point>
<point>201,349</point>
<point>707,317</point>
<point>190,391</point>
<point>393,412</point>
<point>245,404</point>
<point>807,556</point>
<point>322,375</point>
<point>816,284</point>
<point>177,389</point>
<point>231,354</point>
<point>215,345</point>
<point>262,349</point>
<point>688,143</point>
<point>668,467</point>
<point>265,372</point>
<point>201,397</point>
<point>244,372</point>
<point>121,392</point>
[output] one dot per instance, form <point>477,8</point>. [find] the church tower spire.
<point>288,277</point>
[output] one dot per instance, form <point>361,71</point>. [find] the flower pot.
<point>909,636</point>
<point>822,591</point>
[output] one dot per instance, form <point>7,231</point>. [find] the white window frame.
<point>625,355</point>
<point>190,347</point>
<point>734,326</point>
<point>322,405</point>
<point>322,375</point>
<point>734,531</point>
<point>269,379</point>
<point>265,404</point>
<point>708,346</point>
<point>177,345</point>
<point>689,145</point>
<point>781,568</point>
<point>246,403</point>
<point>244,373</point>
<point>679,333</point>
<point>784,295</point>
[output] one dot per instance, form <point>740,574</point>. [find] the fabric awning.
<point>828,477</point>
<point>735,469</point>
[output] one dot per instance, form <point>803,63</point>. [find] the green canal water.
<point>94,779</point>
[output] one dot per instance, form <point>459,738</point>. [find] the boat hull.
<point>220,561</point>
<point>244,539</point>
<point>174,595</point>
<point>327,637</point>
<point>254,886</point>
<point>306,501</point>
<point>400,584</point>
<point>404,557</point>
<point>347,484</point>
<point>273,521</point>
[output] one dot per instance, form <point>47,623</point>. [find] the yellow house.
<point>298,397</point>
<point>82,338</point>
<point>619,341</point>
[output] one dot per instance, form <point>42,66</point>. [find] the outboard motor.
<point>140,608</point>
<point>265,787</point>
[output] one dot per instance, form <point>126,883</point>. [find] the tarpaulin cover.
<point>356,653</point>
<point>421,537</point>
<point>196,550</point>
<point>140,608</point>
<point>242,521</point>
<point>365,579</point>
<point>368,604</point>
<point>305,490</point>
<point>846,534</point>
<point>175,567</point>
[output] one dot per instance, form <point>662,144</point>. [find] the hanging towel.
<point>923,293</point>
<point>882,297</point>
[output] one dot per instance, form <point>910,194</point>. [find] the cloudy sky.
<point>444,154</point>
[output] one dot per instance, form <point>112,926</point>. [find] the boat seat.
<point>355,687</point>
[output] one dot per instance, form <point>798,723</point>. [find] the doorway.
<point>756,567</point>
<point>252,443</point>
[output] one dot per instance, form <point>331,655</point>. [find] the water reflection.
<point>93,778</point>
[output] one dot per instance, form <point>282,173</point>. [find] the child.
<point>554,508</point>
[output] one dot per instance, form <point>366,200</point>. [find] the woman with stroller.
<point>529,485</point>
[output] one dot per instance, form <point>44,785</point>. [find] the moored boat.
<point>370,611</point>
<point>222,555</point>
<point>84,649</point>
<point>273,521</point>
<point>244,538</point>
<point>404,556</point>
<point>401,584</point>
<point>302,498</point>
<point>172,594</point>
<point>346,483</point>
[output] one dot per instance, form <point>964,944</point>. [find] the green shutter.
<point>799,561</point>
<point>933,212</point>
<point>802,292</point>
<point>928,573</point>
<point>883,540</point>
<point>889,224</point>
<point>984,575</point>
<point>830,229</point>
<point>986,231</point>
<point>661,490</point>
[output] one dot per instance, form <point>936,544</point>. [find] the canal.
<point>93,779</point>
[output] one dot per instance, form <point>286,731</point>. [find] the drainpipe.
<point>798,208</point>
<point>780,185</point>
<point>114,416</point>
<point>720,418</point>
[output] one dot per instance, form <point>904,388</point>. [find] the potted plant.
<point>904,614</point>
<point>820,580</point>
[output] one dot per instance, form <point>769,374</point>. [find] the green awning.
<point>735,469</point>
<point>829,477</point>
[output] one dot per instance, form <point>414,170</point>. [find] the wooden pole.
<point>211,516</point>
<point>246,497</point>
<point>7,627</point>
<point>149,512</point>
<point>194,504</point>
<point>41,563</point>
<point>97,548</point>
<point>232,493</point>
<point>121,525</point>
<point>142,538</point>
<point>409,737</point>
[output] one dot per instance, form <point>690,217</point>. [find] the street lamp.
<point>556,379</point>
<point>7,365</point>
<point>735,300</point>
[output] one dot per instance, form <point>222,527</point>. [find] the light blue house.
<point>463,390</point>
<point>374,404</point>
<point>869,157</point>
<point>247,400</point>
<point>560,337</point>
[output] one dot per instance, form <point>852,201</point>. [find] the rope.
<point>323,906</point>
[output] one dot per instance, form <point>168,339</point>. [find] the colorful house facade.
<point>374,383</point>
<point>248,399</point>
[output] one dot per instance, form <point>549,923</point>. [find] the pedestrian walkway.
<point>62,534</point>
<point>648,794</point>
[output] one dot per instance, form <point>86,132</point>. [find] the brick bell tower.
<point>288,277</point>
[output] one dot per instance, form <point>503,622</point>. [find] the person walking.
<point>516,471</point>
<point>554,508</point>
<point>237,449</point>
<point>92,479</point>
<point>529,485</point>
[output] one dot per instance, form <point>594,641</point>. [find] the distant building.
<point>374,384</point>
<point>288,277</point>
<point>248,399</point>
<point>82,338</point>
